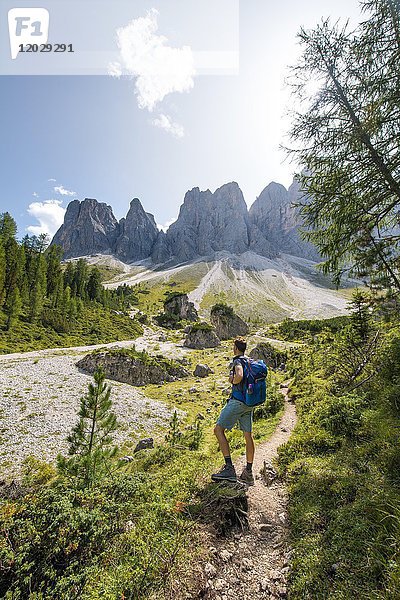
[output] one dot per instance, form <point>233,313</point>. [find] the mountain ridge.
<point>208,222</point>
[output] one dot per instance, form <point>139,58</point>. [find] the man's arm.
<point>237,374</point>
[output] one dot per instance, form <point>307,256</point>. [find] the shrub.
<point>201,326</point>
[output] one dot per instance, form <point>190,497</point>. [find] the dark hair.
<point>240,344</point>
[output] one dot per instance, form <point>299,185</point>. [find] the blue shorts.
<point>234,412</point>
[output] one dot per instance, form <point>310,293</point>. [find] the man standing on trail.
<point>235,411</point>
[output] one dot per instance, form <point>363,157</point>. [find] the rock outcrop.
<point>226,323</point>
<point>144,444</point>
<point>201,336</point>
<point>177,308</point>
<point>208,223</point>
<point>178,305</point>
<point>202,371</point>
<point>128,366</point>
<point>279,221</point>
<point>271,356</point>
<point>138,233</point>
<point>89,228</point>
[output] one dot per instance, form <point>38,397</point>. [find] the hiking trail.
<point>254,563</point>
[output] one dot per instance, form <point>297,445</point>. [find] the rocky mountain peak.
<point>89,227</point>
<point>208,222</point>
<point>138,232</point>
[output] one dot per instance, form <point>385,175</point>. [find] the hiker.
<point>235,411</point>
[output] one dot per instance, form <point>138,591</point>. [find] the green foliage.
<point>344,136</point>
<point>174,434</point>
<point>40,305</point>
<point>274,402</point>
<point>272,357</point>
<point>169,321</point>
<point>222,309</point>
<point>342,464</point>
<point>201,326</point>
<point>92,325</point>
<point>171,295</point>
<point>60,538</point>
<point>90,441</point>
<point>290,329</point>
<point>195,434</point>
<point>130,532</point>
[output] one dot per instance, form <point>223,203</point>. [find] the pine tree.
<point>80,279</point>
<point>346,141</point>
<point>38,290</point>
<point>361,319</point>
<point>53,260</point>
<point>69,275</point>
<point>91,449</point>
<point>94,287</point>
<point>13,307</point>
<point>3,266</point>
<point>15,266</point>
<point>174,434</point>
<point>8,227</point>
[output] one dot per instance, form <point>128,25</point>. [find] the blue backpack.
<point>254,387</point>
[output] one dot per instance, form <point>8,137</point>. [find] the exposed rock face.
<point>279,221</point>
<point>144,444</point>
<point>161,252</point>
<point>202,371</point>
<point>179,308</point>
<point>226,323</point>
<point>210,222</point>
<point>127,368</point>
<point>207,223</point>
<point>89,227</point>
<point>265,351</point>
<point>198,338</point>
<point>138,233</point>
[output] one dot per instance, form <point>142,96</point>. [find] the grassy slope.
<point>162,539</point>
<point>95,326</point>
<point>342,464</point>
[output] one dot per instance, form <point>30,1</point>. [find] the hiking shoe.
<point>246,477</point>
<point>227,473</point>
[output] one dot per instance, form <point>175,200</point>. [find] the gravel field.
<point>39,398</point>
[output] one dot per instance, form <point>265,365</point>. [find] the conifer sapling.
<point>91,449</point>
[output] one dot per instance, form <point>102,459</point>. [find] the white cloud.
<point>51,180</point>
<point>60,189</point>
<point>35,194</point>
<point>114,69</point>
<point>50,215</point>
<point>167,224</point>
<point>158,69</point>
<point>165,122</point>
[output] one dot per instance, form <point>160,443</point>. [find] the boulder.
<point>128,366</point>
<point>179,307</point>
<point>265,351</point>
<point>227,324</point>
<point>201,336</point>
<point>202,371</point>
<point>144,444</point>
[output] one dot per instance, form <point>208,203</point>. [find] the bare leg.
<point>222,441</point>
<point>249,446</point>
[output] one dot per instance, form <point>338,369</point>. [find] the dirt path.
<point>255,564</point>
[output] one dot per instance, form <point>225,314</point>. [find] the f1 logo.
<point>27,25</point>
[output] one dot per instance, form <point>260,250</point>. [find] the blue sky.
<point>217,113</point>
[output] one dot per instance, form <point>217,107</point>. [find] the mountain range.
<point>207,223</point>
